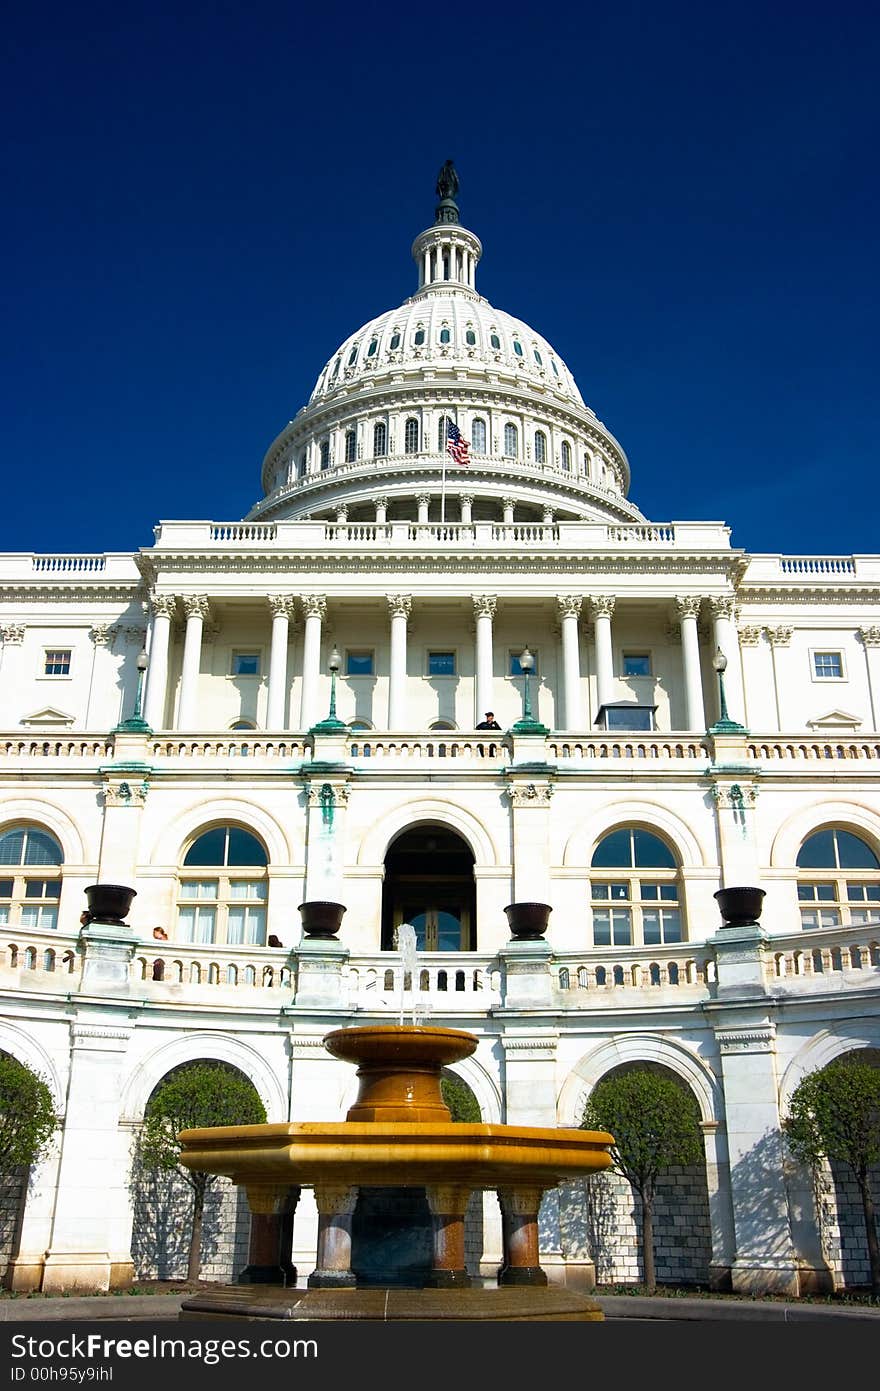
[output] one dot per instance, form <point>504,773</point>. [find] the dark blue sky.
<point>202,200</point>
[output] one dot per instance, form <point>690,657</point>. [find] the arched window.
<point>478,437</point>
<point>540,447</point>
<point>635,890</point>
<point>565,455</point>
<point>495,341</point>
<point>325,454</point>
<point>470,338</point>
<point>445,335</point>
<point>380,439</point>
<point>335,373</point>
<point>395,340</point>
<point>350,446</point>
<point>411,437</point>
<point>442,436</point>
<point>838,879</point>
<point>371,350</point>
<point>419,337</point>
<point>223,889</point>
<point>30,877</point>
<point>555,368</point>
<point>538,358</point>
<point>352,357</point>
<point>511,441</point>
<point>301,466</point>
<point>517,347</point>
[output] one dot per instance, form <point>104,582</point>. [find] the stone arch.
<point>653,816</point>
<point>436,810</point>
<point>791,835</point>
<point>65,830</point>
<point>848,1036</point>
<point>639,1048</point>
<point>168,846</point>
<point>207,1047</point>
<point>26,1049</point>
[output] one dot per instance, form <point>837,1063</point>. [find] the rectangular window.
<point>245,664</point>
<point>828,666</point>
<point>41,915</point>
<point>637,664</point>
<point>246,925</point>
<point>817,893</point>
<point>820,917</point>
<point>515,669</point>
<point>660,925</point>
<point>57,661</point>
<point>634,718</point>
<point>441,663</point>
<point>612,927</point>
<point>863,893</point>
<point>358,663</point>
<point>199,888</point>
<point>196,924</point>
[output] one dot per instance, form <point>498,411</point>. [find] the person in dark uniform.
<point>488,722</point>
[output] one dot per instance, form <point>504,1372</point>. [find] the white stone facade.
<point>429,580</point>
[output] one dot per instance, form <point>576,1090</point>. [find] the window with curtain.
<point>223,889</point>
<point>30,877</point>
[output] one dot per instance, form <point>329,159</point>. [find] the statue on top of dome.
<point>447,181</point>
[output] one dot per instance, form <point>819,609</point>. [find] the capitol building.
<point>251,715</point>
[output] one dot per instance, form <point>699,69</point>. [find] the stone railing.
<point>635,746</point>
<point>445,982</point>
<point>180,970</point>
<point>818,569</point>
<point>70,564</point>
<point>241,744</point>
<point>685,966</point>
<point>31,959</point>
<point>765,748</point>
<point>84,746</point>
<point>248,532</point>
<point>415,748</point>
<point>824,956</point>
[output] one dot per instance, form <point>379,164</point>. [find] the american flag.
<point>457,445</point>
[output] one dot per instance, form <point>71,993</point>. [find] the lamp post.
<point>528,724</point>
<point>725,725</point>
<point>136,724</point>
<point>332,725</point>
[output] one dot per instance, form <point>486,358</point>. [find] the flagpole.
<point>443,483</point>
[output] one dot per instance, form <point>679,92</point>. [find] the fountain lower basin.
<point>399,1134</point>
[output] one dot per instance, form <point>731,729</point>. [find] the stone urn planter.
<point>528,921</point>
<point>740,907</point>
<point>109,903</point>
<point>321,919</point>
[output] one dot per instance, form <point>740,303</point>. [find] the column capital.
<point>335,1199</point>
<point>602,606</point>
<point>869,637</point>
<point>380,501</point>
<point>779,636</point>
<point>723,606</point>
<point>568,605</point>
<point>687,606</point>
<point>163,605</point>
<point>750,635</point>
<point>12,634</point>
<point>484,605</point>
<point>196,605</point>
<point>314,605</point>
<point>465,494</point>
<point>423,499</point>
<point>399,605</point>
<point>103,635</point>
<point>281,605</point>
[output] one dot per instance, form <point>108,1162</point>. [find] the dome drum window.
<point>478,437</point>
<point>352,357</point>
<point>838,880</point>
<point>411,437</point>
<point>517,347</point>
<point>540,447</point>
<point>495,342</point>
<point>470,338</point>
<point>511,441</point>
<point>419,337</point>
<point>30,877</point>
<point>445,335</point>
<point>380,439</point>
<point>223,889</point>
<point>565,456</point>
<point>395,340</point>
<point>371,350</point>
<point>350,446</point>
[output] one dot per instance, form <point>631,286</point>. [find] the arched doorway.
<point>429,882</point>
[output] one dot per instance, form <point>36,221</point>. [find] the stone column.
<point>507,505</point>
<point>688,610</point>
<point>726,637</point>
<point>89,1250</point>
<point>466,501</point>
<point>601,610</point>
<point>778,637</point>
<point>399,607</point>
<point>272,1209</point>
<point>163,607</point>
<point>484,612</point>
<point>519,1218</point>
<point>314,611</point>
<point>282,610</point>
<point>870,639</point>
<point>569,608</point>
<point>424,501</point>
<point>720,1211</point>
<point>103,674</point>
<point>448,1204</point>
<point>381,505</point>
<point>196,610</point>
<point>336,1204</point>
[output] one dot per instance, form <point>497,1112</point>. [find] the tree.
<point>655,1122</point>
<point>463,1105</point>
<point>196,1095</point>
<point>27,1116</point>
<point>834,1115</point>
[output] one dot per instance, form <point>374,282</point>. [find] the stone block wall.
<point>12,1194</point>
<point>160,1234</point>
<point>682,1235</point>
<point>842,1224</point>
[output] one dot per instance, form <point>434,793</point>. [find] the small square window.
<point>637,664</point>
<point>57,661</point>
<point>828,666</point>
<point>359,664</point>
<point>516,670</point>
<point>441,663</point>
<point>245,664</point>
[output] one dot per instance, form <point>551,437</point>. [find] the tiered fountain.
<point>400,1134</point>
